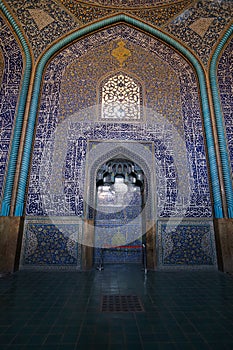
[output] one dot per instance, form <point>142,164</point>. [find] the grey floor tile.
<point>61,310</point>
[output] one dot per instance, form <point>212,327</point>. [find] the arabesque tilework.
<point>218,12</point>
<point>51,243</point>
<point>61,22</point>
<point>167,133</point>
<point>130,3</point>
<point>198,24</point>
<point>154,14</point>
<point>12,66</point>
<point>225,82</point>
<point>68,120</point>
<point>188,243</point>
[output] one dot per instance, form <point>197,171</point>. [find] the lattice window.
<point>121,98</point>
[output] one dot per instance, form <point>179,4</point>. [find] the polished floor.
<point>62,310</point>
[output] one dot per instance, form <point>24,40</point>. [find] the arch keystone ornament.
<point>121,53</point>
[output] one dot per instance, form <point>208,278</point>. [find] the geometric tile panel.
<point>225,85</point>
<point>201,25</point>
<point>186,243</point>
<point>172,124</point>
<point>51,243</point>
<point>41,18</point>
<point>9,91</point>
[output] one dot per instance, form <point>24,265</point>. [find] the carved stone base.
<point>224,242</point>
<point>11,231</point>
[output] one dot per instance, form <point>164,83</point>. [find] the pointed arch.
<point>6,202</point>
<point>133,151</point>
<point>219,121</point>
<point>154,32</point>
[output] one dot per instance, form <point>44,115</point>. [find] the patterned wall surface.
<point>161,86</point>
<point>51,243</point>
<point>225,82</point>
<point>42,21</point>
<point>197,24</point>
<point>12,65</point>
<point>177,142</point>
<point>200,26</point>
<point>186,243</point>
<point>1,67</point>
<point>130,3</point>
<point>87,13</point>
<point>69,119</point>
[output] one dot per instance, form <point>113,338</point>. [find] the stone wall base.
<point>224,243</point>
<point>11,232</point>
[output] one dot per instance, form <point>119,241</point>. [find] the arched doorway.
<point>119,234</point>
<point>121,157</point>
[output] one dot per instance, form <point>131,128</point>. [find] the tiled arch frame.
<point>226,168</point>
<point>19,118</point>
<point>135,152</point>
<point>87,30</point>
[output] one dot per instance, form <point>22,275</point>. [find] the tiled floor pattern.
<point>62,310</point>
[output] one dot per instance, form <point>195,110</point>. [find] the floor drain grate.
<point>121,303</point>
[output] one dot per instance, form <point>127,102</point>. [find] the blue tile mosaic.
<point>9,92</point>
<point>129,3</point>
<point>66,123</point>
<point>220,14</point>
<point>186,243</point>
<point>225,83</point>
<point>158,13</point>
<point>40,38</point>
<point>53,244</point>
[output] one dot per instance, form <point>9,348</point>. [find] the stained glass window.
<point>121,98</point>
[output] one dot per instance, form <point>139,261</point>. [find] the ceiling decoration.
<point>201,25</point>
<point>157,13</point>
<point>41,18</point>
<point>130,3</point>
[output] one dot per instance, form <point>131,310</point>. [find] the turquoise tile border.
<point>226,169</point>
<point>5,209</point>
<point>36,93</point>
